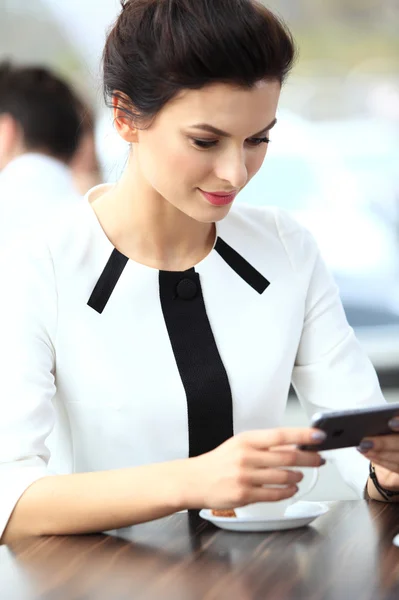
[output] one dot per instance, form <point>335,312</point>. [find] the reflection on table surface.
<point>345,554</point>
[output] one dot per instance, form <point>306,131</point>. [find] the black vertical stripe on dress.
<point>241,266</point>
<point>107,281</point>
<point>204,377</point>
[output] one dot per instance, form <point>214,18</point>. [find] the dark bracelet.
<point>386,494</point>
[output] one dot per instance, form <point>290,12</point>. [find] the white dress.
<point>107,363</point>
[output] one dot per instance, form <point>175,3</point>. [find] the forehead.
<point>231,108</point>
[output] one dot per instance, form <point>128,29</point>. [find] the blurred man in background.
<point>85,163</point>
<point>47,157</point>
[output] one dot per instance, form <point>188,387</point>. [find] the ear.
<point>10,139</point>
<point>123,120</point>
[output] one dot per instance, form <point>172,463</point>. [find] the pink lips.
<point>219,198</point>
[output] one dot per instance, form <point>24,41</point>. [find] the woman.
<point>143,330</point>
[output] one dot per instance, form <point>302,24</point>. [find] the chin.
<point>212,214</point>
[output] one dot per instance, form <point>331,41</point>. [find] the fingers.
<point>382,450</point>
<point>274,477</point>
<point>296,458</point>
<point>262,494</point>
<point>383,443</point>
<point>267,438</point>
<point>282,456</point>
<point>291,458</point>
<point>390,457</point>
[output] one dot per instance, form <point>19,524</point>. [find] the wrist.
<point>376,491</point>
<point>185,491</point>
<point>372,491</point>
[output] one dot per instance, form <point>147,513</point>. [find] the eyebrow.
<point>211,129</point>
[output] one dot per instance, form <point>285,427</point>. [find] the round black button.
<point>186,289</point>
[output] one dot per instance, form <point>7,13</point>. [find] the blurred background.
<point>334,157</point>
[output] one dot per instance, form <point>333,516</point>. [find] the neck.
<point>145,227</point>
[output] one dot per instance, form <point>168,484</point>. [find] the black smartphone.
<point>347,428</point>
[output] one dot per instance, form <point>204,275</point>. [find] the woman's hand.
<point>235,473</point>
<point>383,452</point>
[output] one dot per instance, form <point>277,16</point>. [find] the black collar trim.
<point>108,280</point>
<point>242,267</point>
<point>117,262</point>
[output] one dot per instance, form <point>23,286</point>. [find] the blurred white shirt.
<point>32,188</point>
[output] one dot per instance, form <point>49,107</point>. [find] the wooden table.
<point>345,555</point>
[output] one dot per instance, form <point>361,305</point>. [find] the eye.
<point>258,141</point>
<point>204,144</point>
<point>207,144</point>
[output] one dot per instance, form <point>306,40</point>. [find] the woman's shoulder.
<point>271,219</point>
<point>270,227</point>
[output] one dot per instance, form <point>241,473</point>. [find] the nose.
<point>232,168</point>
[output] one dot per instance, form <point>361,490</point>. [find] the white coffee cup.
<point>276,510</point>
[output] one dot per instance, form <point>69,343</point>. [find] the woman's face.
<point>211,140</point>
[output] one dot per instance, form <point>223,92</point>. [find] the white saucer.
<point>395,540</point>
<point>299,514</point>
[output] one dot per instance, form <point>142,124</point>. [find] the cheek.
<point>255,162</point>
<point>187,163</point>
<point>174,165</point>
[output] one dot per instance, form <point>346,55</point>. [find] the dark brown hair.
<point>46,108</point>
<point>159,47</point>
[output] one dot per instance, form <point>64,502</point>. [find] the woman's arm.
<point>234,474</point>
<point>331,371</point>
<point>101,501</point>
<point>28,318</point>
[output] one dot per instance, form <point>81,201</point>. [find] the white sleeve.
<point>332,371</point>
<point>28,312</point>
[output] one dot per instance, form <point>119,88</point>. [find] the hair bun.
<point>157,48</point>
